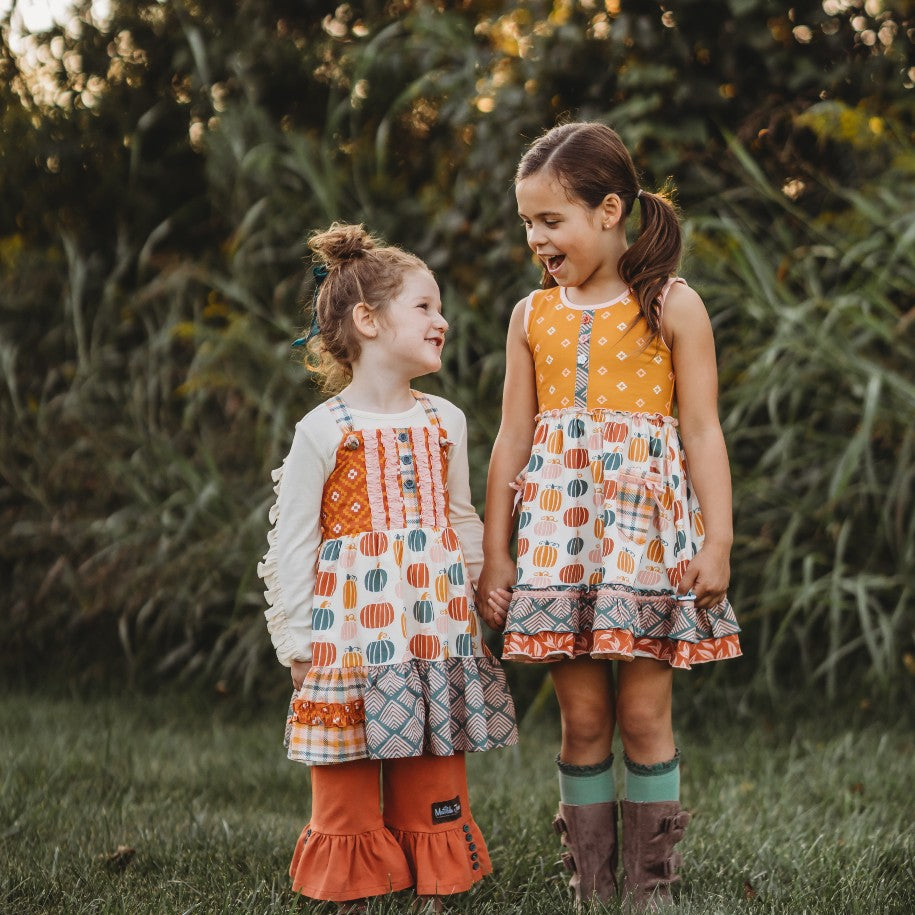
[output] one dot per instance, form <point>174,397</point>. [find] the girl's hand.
<point>298,669</point>
<point>707,576</point>
<point>494,591</point>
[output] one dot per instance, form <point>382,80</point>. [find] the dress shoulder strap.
<point>340,413</point>
<point>431,412</point>
<point>673,281</point>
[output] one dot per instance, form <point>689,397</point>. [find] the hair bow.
<point>320,274</point>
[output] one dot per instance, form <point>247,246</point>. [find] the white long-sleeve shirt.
<point>288,568</point>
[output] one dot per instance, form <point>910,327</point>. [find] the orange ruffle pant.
<point>423,837</point>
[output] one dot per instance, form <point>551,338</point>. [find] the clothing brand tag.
<point>445,811</point>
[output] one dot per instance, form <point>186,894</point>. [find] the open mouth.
<point>554,262</point>
<point>436,341</point>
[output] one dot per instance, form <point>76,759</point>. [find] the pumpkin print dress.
<point>399,667</point>
<point>608,520</point>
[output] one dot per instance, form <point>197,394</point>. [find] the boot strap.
<point>677,823</point>
<point>559,825</point>
<point>568,862</point>
<point>668,867</point>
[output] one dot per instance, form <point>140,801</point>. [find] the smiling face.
<point>571,239</point>
<point>412,328</point>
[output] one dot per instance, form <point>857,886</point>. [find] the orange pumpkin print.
<point>616,432</point>
<point>607,546</point>
<point>398,550</point>
<point>325,582</point>
<point>545,555</point>
<point>638,449</point>
<point>450,539</point>
<point>655,551</point>
<point>598,528</point>
<point>551,499</point>
<point>597,471</point>
<point>426,647</point>
<point>540,434</point>
<point>530,491</point>
<point>625,561</point>
<point>418,574</point>
<point>373,543</point>
<point>458,609</point>
<point>595,578</point>
<point>352,657</point>
<point>700,524</point>
<point>572,573</point>
<point>376,616</point>
<point>523,546</point>
<point>349,592</point>
<point>554,442</point>
<point>323,654</point>
<point>442,586</point>
<point>575,516</point>
<point>576,458</point>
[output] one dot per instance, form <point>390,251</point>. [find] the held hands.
<point>494,591</point>
<point>298,669</point>
<point>707,576</point>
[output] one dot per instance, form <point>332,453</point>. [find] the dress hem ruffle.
<point>401,710</point>
<point>617,622</point>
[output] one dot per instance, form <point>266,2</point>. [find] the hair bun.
<point>341,242</point>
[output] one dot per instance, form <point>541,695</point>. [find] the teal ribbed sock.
<point>660,782</point>
<point>580,785</point>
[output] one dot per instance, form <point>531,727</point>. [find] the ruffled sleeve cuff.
<point>290,645</point>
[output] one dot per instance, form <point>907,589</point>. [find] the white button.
<point>582,358</point>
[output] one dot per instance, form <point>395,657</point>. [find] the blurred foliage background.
<point>161,164</point>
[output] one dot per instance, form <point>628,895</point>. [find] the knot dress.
<point>608,520</point>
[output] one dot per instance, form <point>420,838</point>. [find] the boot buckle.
<point>559,825</point>
<point>568,862</point>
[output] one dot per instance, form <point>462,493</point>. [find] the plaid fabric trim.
<point>635,503</point>
<point>340,413</point>
<point>431,412</point>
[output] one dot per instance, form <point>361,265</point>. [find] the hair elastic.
<point>320,274</point>
<point>639,193</point>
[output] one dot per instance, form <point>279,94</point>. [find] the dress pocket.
<point>636,501</point>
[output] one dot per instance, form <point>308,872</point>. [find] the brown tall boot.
<point>589,832</point>
<point>650,831</point>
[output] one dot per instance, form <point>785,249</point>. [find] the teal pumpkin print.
<point>577,487</point>
<point>463,645</point>
<point>535,463</point>
<point>322,618</point>
<point>680,542</point>
<point>613,460</point>
<point>423,611</point>
<point>575,546</point>
<point>655,446</point>
<point>376,579</point>
<point>380,651</point>
<point>456,573</point>
<point>608,517</point>
<point>416,541</point>
<point>331,550</point>
<point>524,519</point>
<point>576,428</point>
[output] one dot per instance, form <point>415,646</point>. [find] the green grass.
<point>812,815</point>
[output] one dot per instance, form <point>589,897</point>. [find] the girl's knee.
<point>643,719</point>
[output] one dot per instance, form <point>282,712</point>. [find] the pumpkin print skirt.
<point>399,667</point>
<point>608,524</point>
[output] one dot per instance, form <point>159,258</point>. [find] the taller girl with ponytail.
<point>615,560</point>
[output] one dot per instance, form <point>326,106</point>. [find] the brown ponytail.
<point>590,161</point>
<point>360,268</point>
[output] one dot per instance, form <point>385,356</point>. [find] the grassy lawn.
<point>814,816</point>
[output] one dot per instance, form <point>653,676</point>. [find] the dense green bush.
<point>152,277</point>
